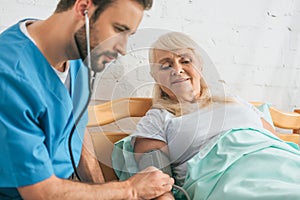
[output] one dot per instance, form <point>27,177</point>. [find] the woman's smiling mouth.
<point>180,80</point>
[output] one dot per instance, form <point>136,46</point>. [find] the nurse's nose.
<point>121,44</point>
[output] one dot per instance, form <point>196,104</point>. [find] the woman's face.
<point>178,74</point>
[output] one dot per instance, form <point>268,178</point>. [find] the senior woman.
<point>218,146</point>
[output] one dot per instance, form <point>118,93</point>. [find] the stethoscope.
<point>91,78</point>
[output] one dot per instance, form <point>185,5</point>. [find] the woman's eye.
<point>186,61</point>
<point>165,66</point>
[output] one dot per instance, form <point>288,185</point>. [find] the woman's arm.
<point>143,145</point>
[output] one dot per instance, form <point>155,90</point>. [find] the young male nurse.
<point>42,94</point>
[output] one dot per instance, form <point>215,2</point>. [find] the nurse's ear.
<point>82,6</point>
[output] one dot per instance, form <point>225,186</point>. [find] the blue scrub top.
<point>37,114</point>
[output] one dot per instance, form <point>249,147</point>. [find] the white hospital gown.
<point>187,135</point>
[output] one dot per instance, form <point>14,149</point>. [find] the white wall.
<point>254,44</point>
<point>12,11</point>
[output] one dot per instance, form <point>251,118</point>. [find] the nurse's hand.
<point>147,185</point>
<point>166,196</point>
<point>150,183</point>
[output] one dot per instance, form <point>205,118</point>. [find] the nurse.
<point>43,93</point>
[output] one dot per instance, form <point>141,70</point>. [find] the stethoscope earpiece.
<point>86,13</point>
<point>88,45</point>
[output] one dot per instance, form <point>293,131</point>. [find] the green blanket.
<point>239,164</point>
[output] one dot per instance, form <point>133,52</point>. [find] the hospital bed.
<point>106,126</point>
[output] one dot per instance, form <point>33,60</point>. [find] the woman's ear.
<point>151,73</point>
<point>153,76</point>
<point>200,62</point>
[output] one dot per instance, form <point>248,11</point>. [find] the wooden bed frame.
<point>113,111</point>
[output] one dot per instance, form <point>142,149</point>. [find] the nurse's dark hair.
<point>101,5</point>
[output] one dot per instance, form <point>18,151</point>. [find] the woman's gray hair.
<point>173,41</point>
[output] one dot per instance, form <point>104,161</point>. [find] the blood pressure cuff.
<point>157,159</point>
